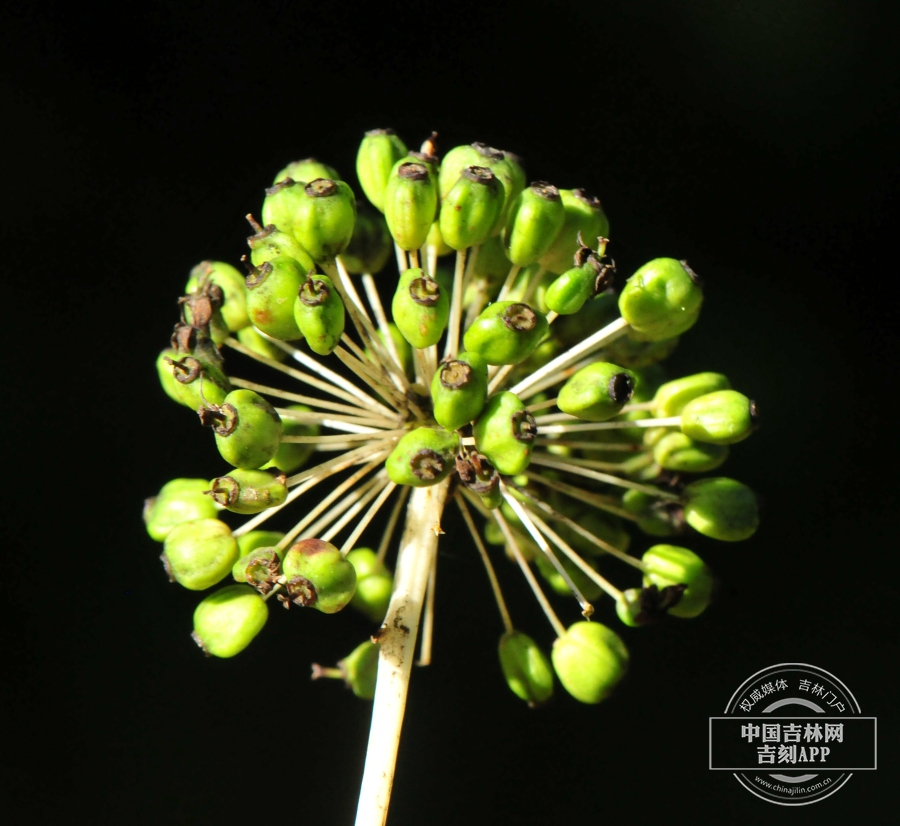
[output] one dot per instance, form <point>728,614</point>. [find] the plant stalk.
<point>397,640</point>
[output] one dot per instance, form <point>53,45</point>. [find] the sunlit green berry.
<point>371,246</point>
<point>226,622</point>
<point>470,209</point>
<point>721,418</point>
<point>721,508</point>
<point>655,517</point>
<point>249,491</point>
<point>181,500</point>
<point>281,204</point>
<point>584,218</point>
<point>260,568</point>
<point>597,392</point>
<point>324,218</point>
<point>248,430</point>
<point>420,308</point>
<point>270,242</point>
<point>374,584</point>
<point>318,576</point>
<point>637,607</point>
<point>459,390</point>
<point>307,170</point>
<point>271,292</point>
<point>379,151</point>
<point>505,432</point>
<point>662,299</point>
<point>590,661</point>
<point>410,203</point>
<point>231,282</point>
<point>199,553</point>
<point>257,343</point>
<point>533,222</point>
<point>424,456</point>
<point>191,381</point>
<point>669,565</point>
<point>675,451</point>
<point>506,332</point>
<point>293,455</point>
<point>436,240</point>
<point>359,669</point>
<point>526,668</point>
<point>671,397</point>
<point>252,540</point>
<point>319,313</point>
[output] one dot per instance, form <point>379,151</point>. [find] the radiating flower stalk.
<point>514,384</point>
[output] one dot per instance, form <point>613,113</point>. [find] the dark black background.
<point>758,140</point>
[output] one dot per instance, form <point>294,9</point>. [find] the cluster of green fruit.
<point>529,322</point>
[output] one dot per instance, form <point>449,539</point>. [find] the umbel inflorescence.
<point>513,382</point>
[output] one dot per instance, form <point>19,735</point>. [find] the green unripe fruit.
<point>590,589</point>
<point>360,669</point>
<point>281,204</point>
<point>506,332</point>
<point>271,292</point>
<point>181,500</point>
<point>318,576</point>
<point>646,606</point>
<point>252,540</point>
<point>721,418</point>
<point>662,299</point>
<point>410,204</point>
<point>191,381</point>
<point>199,553</point>
<point>526,668</point>
<point>671,397</point>
<point>504,432</point>
<point>270,242</point>
<point>584,216</point>
<point>459,390</point>
<point>234,292</point>
<point>675,451</point>
<point>293,455</point>
<point>469,211</point>
<point>307,170</point>
<point>654,516</point>
<point>249,491</point>
<point>533,222</point>
<point>374,584</point>
<point>590,276</point>
<point>721,508</point>
<point>420,308</point>
<point>379,151</point>
<point>371,246</point>
<point>226,622</point>
<point>597,392</point>
<point>504,165</point>
<point>259,568</point>
<point>248,430</point>
<point>319,313</point>
<point>324,218</point>
<point>672,565</point>
<point>424,456</point>
<point>254,341</point>
<point>590,661</point>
